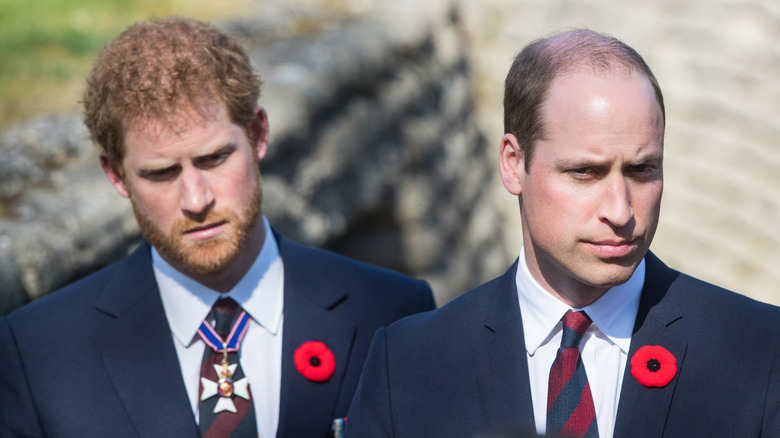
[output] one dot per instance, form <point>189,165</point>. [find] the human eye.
<point>643,171</point>
<point>583,172</point>
<point>160,175</point>
<point>214,159</point>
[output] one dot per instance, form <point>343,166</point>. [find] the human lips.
<point>613,248</point>
<point>205,232</point>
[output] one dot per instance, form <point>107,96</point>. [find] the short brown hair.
<point>156,67</point>
<point>543,60</point>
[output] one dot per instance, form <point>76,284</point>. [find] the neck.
<point>577,299</point>
<point>558,282</point>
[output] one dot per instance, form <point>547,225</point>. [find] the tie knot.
<point>225,311</point>
<point>575,324</point>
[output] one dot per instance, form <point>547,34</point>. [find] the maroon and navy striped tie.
<point>225,423</point>
<point>570,409</point>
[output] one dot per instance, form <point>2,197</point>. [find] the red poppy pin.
<point>653,366</point>
<point>315,361</point>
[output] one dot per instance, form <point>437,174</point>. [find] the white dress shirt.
<point>260,293</point>
<point>604,348</point>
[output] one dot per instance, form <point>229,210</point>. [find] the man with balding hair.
<point>588,334</point>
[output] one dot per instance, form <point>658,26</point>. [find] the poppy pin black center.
<point>315,361</point>
<point>653,365</point>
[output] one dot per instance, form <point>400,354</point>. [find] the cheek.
<point>157,205</point>
<point>647,201</point>
<point>566,204</point>
<point>548,208</point>
<point>238,186</point>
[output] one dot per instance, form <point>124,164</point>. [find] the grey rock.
<point>374,152</point>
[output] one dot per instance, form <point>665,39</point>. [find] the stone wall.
<point>374,153</point>
<point>717,62</point>
<point>386,119</point>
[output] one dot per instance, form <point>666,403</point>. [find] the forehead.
<point>184,123</point>
<point>189,129</point>
<point>607,101</point>
<point>176,120</point>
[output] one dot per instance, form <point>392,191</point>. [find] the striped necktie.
<point>570,409</point>
<point>226,408</point>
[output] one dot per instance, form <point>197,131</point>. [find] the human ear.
<point>259,132</point>
<point>114,173</point>
<point>511,162</point>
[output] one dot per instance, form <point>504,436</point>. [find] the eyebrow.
<point>578,162</point>
<point>148,172</point>
<point>226,147</point>
<point>153,169</point>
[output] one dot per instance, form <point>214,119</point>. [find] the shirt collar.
<point>260,292</point>
<point>614,313</point>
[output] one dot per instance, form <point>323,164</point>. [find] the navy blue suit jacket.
<point>97,358</point>
<point>462,370</point>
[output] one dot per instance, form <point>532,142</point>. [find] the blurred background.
<point>386,120</point>
<point>47,46</point>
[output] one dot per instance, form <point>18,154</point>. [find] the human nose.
<point>616,203</point>
<point>196,197</point>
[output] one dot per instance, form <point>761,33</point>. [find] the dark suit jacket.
<point>462,369</point>
<point>97,358</point>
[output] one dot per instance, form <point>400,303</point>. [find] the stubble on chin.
<point>207,256</point>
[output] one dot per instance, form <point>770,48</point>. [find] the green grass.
<point>47,46</point>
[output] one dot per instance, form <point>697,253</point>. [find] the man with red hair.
<point>217,326</point>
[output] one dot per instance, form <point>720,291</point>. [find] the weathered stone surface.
<point>385,123</point>
<point>374,153</point>
<point>717,63</point>
<point>29,151</point>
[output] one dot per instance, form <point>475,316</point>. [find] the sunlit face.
<point>591,199</point>
<point>196,190</point>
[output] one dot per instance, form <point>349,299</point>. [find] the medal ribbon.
<point>233,342</point>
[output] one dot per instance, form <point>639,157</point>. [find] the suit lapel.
<point>500,347</point>
<point>306,405</point>
<point>643,411</point>
<point>138,352</point>
<point>500,358</point>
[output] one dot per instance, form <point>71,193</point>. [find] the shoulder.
<point>319,261</point>
<point>314,266</point>
<point>352,289</point>
<point>702,303</point>
<point>64,306</point>
<point>480,310</point>
<point>710,299</point>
